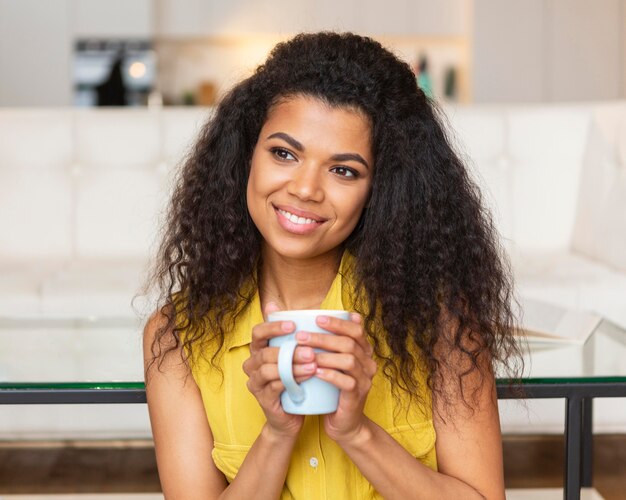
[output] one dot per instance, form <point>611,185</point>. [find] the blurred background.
<point>57,52</point>
<point>101,99</point>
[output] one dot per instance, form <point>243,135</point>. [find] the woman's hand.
<point>348,365</point>
<point>262,370</point>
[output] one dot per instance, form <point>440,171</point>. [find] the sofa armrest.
<point>600,225</point>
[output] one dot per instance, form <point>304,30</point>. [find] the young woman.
<point>325,181</point>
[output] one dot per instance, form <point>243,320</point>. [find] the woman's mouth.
<point>296,224</point>
<point>295,219</point>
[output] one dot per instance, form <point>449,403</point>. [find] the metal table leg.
<point>573,433</point>
<point>587,442</point>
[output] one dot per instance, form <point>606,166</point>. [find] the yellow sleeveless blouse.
<point>319,468</point>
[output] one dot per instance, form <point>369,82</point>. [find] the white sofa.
<point>555,177</point>
<point>80,198</point>
<point>82,193</point>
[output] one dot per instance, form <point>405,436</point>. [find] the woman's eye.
<point>282,154</point>
<point>345,171</point>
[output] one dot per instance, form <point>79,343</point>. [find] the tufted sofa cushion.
<point>35,188</point>
<point>479,136</point>
<point>82,197</point>
<point>550,177</point>
<point>546,147</point>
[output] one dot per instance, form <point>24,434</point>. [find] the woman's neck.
<point>297,284</point>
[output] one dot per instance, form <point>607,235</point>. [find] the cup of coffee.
<point>313,396</point>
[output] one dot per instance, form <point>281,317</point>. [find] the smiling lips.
<point>298,223</point>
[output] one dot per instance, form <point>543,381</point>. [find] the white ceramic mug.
<point>313,396</point>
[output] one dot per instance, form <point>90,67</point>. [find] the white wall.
<point>623,54</point>
<point>548,50</point>
<point>508,56</point>
<point>585,50</point>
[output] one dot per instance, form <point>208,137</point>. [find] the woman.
<point>325,181</point>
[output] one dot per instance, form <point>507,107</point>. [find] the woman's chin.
<point>303,251</point>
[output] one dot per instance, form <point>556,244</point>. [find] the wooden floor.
<point>538,461</point>
<point>130,467</point>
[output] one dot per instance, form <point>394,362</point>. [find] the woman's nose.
<point>306,184</point>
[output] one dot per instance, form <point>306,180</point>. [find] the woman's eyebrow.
<point>350,157</point>
<point>287,138</point>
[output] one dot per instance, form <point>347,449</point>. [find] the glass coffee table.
<point>578,374</point>
<point>70,360</point>
<point>97,360</point>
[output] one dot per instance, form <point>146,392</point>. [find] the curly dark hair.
<point>428,258</point>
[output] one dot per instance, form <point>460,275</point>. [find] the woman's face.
<point>310,176</point>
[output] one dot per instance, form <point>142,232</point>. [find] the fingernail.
<point>309,367</point>
<point>322,320</point>
<point>302,336</point>
<point>287,326</point>
<point>307,353</point>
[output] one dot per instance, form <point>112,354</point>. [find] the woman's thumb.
<point>270,307</point>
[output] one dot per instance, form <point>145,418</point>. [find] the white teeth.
<point>295,219</point>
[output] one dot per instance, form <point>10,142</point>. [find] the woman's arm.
<point>469,457</point>
<point>469,445</point>
<point>469,448</point>
<point>183,439</point>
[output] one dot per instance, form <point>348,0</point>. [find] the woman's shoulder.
<point>162,352</point>
<point>158,329</point>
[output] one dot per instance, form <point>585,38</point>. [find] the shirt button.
<point>313,462</point>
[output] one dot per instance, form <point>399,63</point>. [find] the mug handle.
<point>285,371</point>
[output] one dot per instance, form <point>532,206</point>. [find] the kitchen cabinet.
<point>112,18</point>
<point>416,18</point>
<point>195,18</point>
<point>443,18</point>
<point>333,15</point>
<point>188,19</point>
<point>214,18</point>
